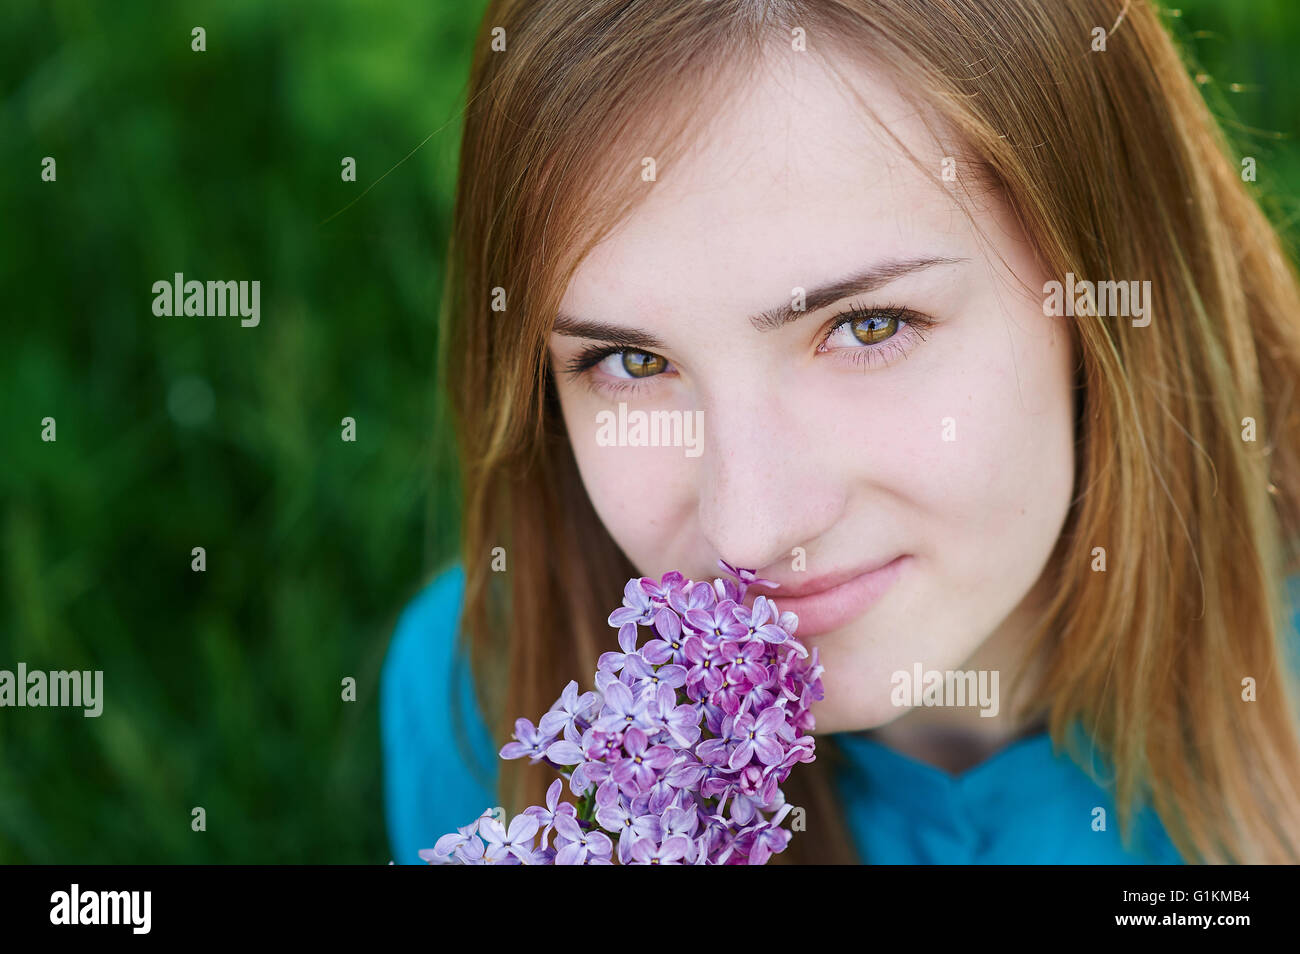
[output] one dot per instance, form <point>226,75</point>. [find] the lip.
<point>829,602</point>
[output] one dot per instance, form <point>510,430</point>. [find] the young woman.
<point>994,356</point>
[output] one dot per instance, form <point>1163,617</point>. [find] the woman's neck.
<point>955,739</point>
<point>954,749</point>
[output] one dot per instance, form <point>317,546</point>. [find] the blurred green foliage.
<point>223,687</point>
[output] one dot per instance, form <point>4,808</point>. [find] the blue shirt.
<point>1024,805</point>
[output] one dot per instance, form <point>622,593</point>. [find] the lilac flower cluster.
<point>678,755</point>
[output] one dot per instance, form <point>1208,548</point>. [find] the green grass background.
<point>223,688</point>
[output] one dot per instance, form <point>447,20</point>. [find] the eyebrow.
<point>870,279</point>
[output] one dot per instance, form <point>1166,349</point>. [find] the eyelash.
<point>912,330</point>
<point>913,327</point>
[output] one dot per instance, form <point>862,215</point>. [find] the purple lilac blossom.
<point>678,755</point>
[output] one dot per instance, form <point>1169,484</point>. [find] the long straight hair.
<point>1115,167</point>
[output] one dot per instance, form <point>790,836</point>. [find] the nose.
<point>764,488</point>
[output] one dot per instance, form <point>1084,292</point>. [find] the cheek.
<point>642,495</point>
<point>1001,471</point>
<point>981,510</point>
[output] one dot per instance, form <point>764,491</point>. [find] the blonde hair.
<point>1114,166</point>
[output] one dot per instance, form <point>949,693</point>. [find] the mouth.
<point>831,607</point>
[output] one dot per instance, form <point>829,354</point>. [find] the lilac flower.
<point>565,752</point>
<point>718,751</point>
<point>729,590</point>
<point>637,606</point>
<point>790,623</point>
<point>753,790</point>
<point>576,709</point>
<point>577,846</point>
<point>599,745</point>
<point>730,695</point>
<point>470,853</point>
<point>639,676</point>
<point>623,710</point>
<point>713,714</point>
<point>766,838</point>
<point>718,622</point>
<point>613,662</point>
<point>682,722</point>
<point>703,665</point>
<point>531,741</point>
<point>758,697</point>
<point>586,776</point>
<point>619,818</point>
<point>663,795</point>
<point>747,577</point>
<point>515,842</point>
<point>679,754</point>
<point>672,583</point>
<point>464,843</point>
<point>761,622</point>
<point>637,772</point>
<point>671,852</point>
<point>692,596</point>
<point>668,647</point>
<point>760,737</point>
<point>743,661</point>
<point>681,821</point>
<point>724,840</point>
<point>702,846</point>
<point>687,774</point>
<point>546,817</point>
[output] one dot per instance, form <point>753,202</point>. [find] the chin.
<point>853,715</point>
<point>857,680</point>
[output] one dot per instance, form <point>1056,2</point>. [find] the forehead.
<point>793,183</point>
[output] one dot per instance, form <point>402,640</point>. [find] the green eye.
<point>872,329</point>
<point>642,364</point>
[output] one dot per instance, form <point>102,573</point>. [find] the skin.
<point>822,447</point>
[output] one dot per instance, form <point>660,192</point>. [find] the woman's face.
<point>934,430</point>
